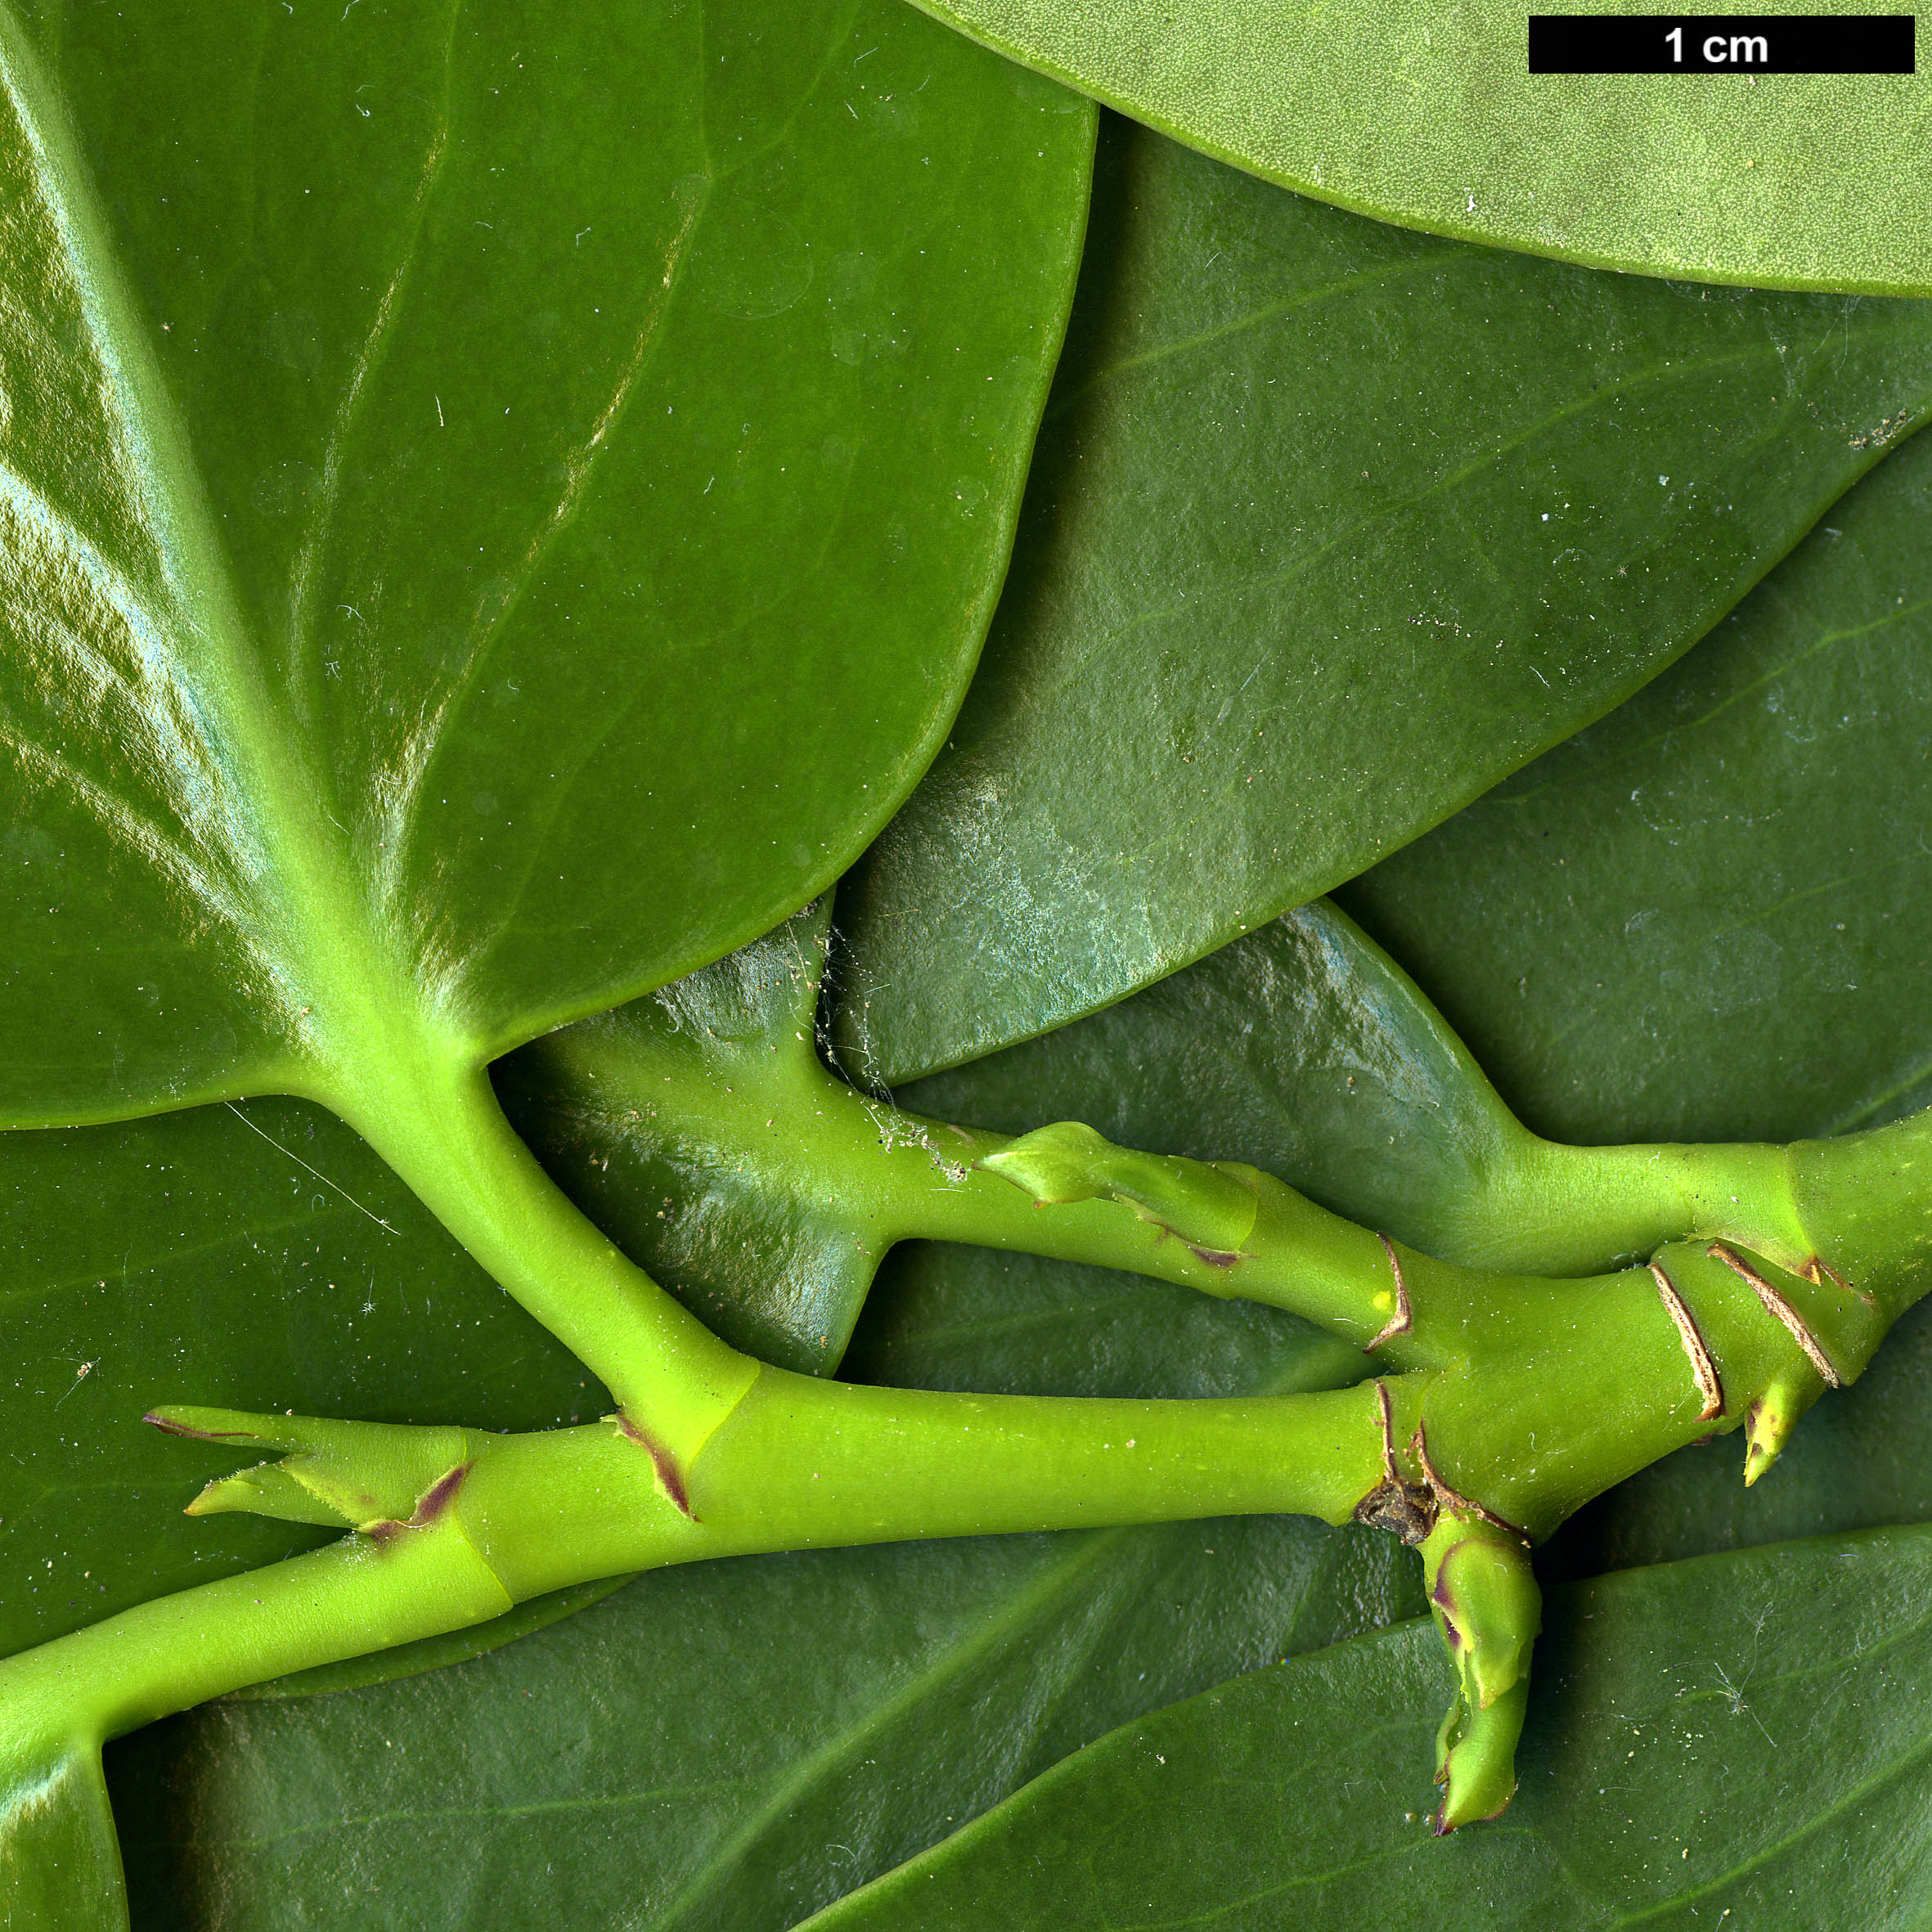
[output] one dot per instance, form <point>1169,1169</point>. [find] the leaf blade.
<point>450,593</point>
<point>1655,1691</point>
<point>1331,526</point>
<point>1437,123</point>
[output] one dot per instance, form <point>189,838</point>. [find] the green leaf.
<point>804,1722</point>
<point>446,470</point>
<point>1706,917</point>
<point>1739,1740</point>
<point>260,1259</point>
<point>964,1318</point>
<point>1332,526</point>
<point>59,1865</point>
<point>1433,120</point>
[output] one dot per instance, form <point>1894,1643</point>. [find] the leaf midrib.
<point>313,934</point>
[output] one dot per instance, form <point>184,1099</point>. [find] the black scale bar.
<point>1722,43</point>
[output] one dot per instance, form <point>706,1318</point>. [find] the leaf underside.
<point>1741,1733</point>
<point>1430,119</point>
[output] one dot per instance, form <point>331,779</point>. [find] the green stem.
<point>1551,1391</point>
<point>1553,1209</point>
<point>350,1598</point>
<point>805,1464</point>
<point>440,1128</point>
<point>802,1464</point>
<point>1866,1195</point>
<point>770,1116</point>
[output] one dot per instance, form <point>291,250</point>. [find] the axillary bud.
<point>1483,1595</point>
<point>1208,1206</point>
<point>1771,1418</point>
<point>348,1474</point>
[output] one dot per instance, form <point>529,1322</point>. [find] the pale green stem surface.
<point>802,1464</point>
<point>1526,1397</point>
<point>440,1130</point>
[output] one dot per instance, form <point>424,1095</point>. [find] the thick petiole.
<point>442,1131</point>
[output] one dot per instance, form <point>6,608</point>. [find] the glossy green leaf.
<point>1432,119</point>
<point>1737,1741</point>
<point>262,1258</point>
<point>60,1866</point>
<point>495,512</point>
<point>1707,917</point>
<point>731,1745</point>
<point>942,1317</point>
<point>1332,526</point>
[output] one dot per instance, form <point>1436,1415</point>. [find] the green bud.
<point>1478,1765</point>
<point>270,1489</point>
<point>353,1473</point>
<point>1209,1206</point>
<point>1483,1595</point>
<point>1770,1420</point>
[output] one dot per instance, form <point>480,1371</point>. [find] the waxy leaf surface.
<point>1739,1740</point>
<point>1707,917</point>
<point>1430,117</point>
<point>493,515</point>
<point>1331,526</point>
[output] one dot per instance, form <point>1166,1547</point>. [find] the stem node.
<point>670,1478</point>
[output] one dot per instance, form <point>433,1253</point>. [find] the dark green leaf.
<point>964,1318</point>
<point>266,1260</point>
<point>1332,526</point>
<point>496,512</point>
<point>1431,118</point>
<point>1738,1741</point>
<point>1707,917</point>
